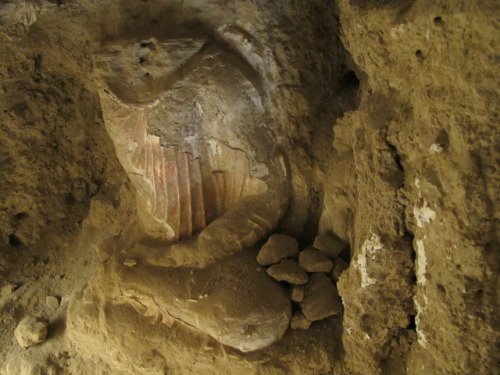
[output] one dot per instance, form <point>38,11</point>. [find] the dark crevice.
<point>14,241</point>
<point>69,199</point>
<point>150,45</point>
<point>345,255</point>
<point>21,216</point>
<point>438,21</point>
<point>412,325</point>
<point>408,236</point>
<point>420,55</point>
<point>397,157</point>
<point>349,80</point>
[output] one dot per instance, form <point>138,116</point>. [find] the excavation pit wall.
<point>385,113</point>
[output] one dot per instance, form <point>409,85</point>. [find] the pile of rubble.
<point>311,272</point>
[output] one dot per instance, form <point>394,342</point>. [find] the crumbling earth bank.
<point>403,169</point>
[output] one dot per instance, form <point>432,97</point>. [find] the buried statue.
<point>188,124</point>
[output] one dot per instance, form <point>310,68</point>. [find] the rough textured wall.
<point>423,152</point>
<point>405,169</point>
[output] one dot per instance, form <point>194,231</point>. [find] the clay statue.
<point>202,174</point>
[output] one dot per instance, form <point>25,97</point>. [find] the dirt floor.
<point>372,121</point>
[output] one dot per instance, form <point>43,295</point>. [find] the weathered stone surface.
<point>277,247</point>
<point>30,331</point>
<point>329,245</point>
<point>339,266</point>
<point>312,260</point>
<point>299,321</point>
<point>297,293</point>
<point>321,298</point>
<point>288,270</point>
<point>52,302</point>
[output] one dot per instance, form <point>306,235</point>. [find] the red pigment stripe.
<point>150,172</point>
<point>185,195</point>
<point>159,174</point>
<point>172,183</point>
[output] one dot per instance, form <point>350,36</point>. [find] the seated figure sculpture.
<point>189,129</point>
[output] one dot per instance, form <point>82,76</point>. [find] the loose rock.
<point>339,266</point>
<point>297,294</point>
<point>312,260</point>
<point>329,245</point>
<point>321,298</point>
<point>288,270</point>
<point>130,262</point>
<point>30,331</point>
<point>52,302</point>
<point>299,321</point>
<point>277,247</point>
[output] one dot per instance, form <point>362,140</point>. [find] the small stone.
<point>321,298</point>
<point>339,266</point>
<point>288,270</point>
<point>329,245</point>
<point>8,289</point>
<point>297,294</point>
<point>130,262</point>
<point>312,260</point>
<point>30,331</point>
<point>299,321</point>
<point>52,302</point>
<point>277,247</point>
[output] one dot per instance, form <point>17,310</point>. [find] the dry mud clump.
<point>350,152</point>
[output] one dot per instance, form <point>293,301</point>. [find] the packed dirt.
<point>373,124</point>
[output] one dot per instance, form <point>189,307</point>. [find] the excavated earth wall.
<point>385,118</point>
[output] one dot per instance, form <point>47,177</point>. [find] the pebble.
<point>297,294</point>
<point>288,270</point>
<point>30,331</point>
<point>321,298</point>
<point>52,302</point>
<point>130,262</point>
<point>329,245</point>
<point>312,260</point>
<point>277,247</point>
<point>339,266</point>
<point>299,321</point>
